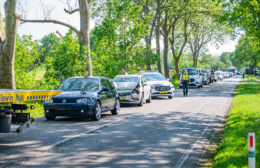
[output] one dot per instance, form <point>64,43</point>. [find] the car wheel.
<point>116,109</point>
<point>201,85</point>
<point>150,98</point>
<point>97,114</point>
<point>50,117</point>
<point>170,97</point>
<point>141,101</point>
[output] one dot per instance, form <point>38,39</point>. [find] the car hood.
<point>160,83</point>
<point>126,86</point>
<point>75,94</point>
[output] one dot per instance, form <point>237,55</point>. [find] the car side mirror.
<point>105,89</point>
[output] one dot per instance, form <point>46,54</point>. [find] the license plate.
<point>122,98</point>
<point>163,92</point>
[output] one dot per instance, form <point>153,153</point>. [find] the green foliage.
<point>247,50</point>
<point>66,61</point>
<point>117,40</point>
<point>26,59</point>
<point>242,14</point>
<point>48,43</point>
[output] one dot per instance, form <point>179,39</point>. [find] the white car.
<point>219,75</point>
<point>160,85</point>
<point>133,89</point>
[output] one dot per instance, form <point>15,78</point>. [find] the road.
<point>165,133</point>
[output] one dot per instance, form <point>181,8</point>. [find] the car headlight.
<point>89,101</point>
<point>48,101</point>
<point>134,94</point>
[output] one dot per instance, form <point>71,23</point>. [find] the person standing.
<point>123,72</point>
<point>185,78</point>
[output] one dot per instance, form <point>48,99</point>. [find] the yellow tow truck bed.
<point>16,96</point>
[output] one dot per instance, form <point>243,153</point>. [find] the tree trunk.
<point>7,45</point>
<point>166,46</point>
<point>84,37</point>
<point>176,63</point>
<point>195,59</point>
<point>157,34</point>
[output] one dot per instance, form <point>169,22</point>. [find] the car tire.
<point>150,98</point>
<point>141,101</point>
<point>116,109</point>
<point>50,117</point>
<point>97,113</point>
<point>170,97</point>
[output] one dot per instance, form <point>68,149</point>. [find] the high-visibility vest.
<point>185,77</point>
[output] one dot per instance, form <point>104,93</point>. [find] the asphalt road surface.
<point>165,133</point>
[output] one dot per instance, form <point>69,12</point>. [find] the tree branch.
<point>50,21</point>
<point>71,11</point>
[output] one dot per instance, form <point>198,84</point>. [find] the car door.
<point>104,95</point>
<point>146,88</point>
<point>112,94</point>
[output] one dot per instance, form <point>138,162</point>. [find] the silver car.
<point>133,89</point>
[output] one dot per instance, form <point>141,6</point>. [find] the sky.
<point>34,10</point>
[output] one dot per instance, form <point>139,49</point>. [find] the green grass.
<point>244,117</point>
<point>38,111</point>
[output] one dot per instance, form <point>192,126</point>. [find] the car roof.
<point>94,77</point>
<point>132,75</point>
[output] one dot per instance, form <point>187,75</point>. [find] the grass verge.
<point>244,117</point>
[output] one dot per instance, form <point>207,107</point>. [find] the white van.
<point>195,76</point>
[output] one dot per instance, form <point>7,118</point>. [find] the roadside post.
<point>251,150</point>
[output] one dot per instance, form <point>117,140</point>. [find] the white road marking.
<point>185,156</point>
<point>49,147</point>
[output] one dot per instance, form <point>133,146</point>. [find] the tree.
<point>7,45</point>
<point>205,28</point>
<point>247,49</point>
<point>47,43</point>
<point>27,58</point>
<point>244,14</point>
<point>84,9</point>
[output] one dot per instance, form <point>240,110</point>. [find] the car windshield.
<point>154,77</point>
<point>127,79</point>
<point>204,71</point>
<point>191,71</point>
<point>80,84</point>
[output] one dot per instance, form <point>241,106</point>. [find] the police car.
<point>159,84</point>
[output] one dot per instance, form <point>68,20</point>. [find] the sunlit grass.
<point>244,117</point>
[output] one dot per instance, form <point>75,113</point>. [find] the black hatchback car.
<point>83,96</point>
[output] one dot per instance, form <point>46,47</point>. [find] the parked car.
<point>205,76</point>
<point>159,84</point>
<point>195,76</point>
<point>219,75</point>
<point>83,96</point>
<point>133,89</point>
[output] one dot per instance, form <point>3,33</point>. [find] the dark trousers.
<point>185,86</point>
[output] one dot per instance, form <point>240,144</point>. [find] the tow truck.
<point>12,107</point>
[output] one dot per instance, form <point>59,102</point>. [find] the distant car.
<point>206,75</point>
<point>219,75</point>
<point>160,85</point>
<point>195,76</point>
<point>133,89</point>
<point>83,96</point>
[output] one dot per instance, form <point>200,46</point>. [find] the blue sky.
<point>35,11</point>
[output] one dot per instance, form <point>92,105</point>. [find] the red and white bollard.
<point>251,150</point>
